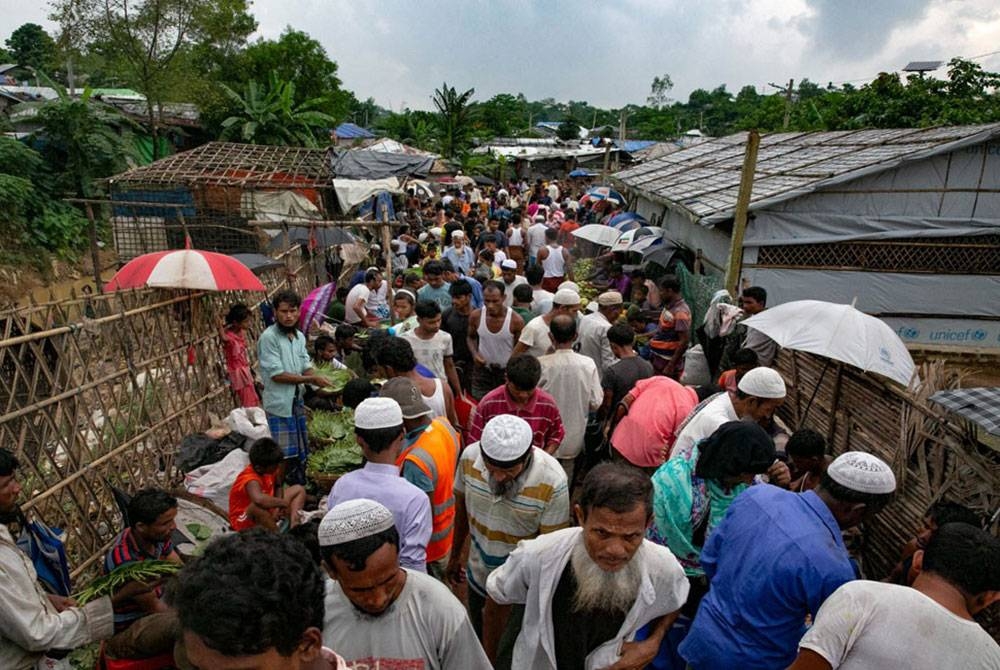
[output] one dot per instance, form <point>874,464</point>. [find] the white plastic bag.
<point>214,481</point>
<point>696,371</point>
<point>249,421</point>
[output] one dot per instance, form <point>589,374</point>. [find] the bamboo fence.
<point>98,391</point>
<point>934,454</point>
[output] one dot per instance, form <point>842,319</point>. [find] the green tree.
<point>568,129</point>
<point>455,118</point>
<point>298,59</point>
<point>271,116</point>
<point>658,91</point>
<point>31,46</point>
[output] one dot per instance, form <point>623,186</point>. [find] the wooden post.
<point>95,258</point>
<point>387,249</point>
<point>831,433</point>
<point>607,156</point>
<point>742,213</point>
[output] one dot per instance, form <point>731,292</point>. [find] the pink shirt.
<point>660,406</point>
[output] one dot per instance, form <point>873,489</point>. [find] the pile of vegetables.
<point>333,433</point>
<point>338,379</point>
<point>141,571</point>
<point>583,271</point>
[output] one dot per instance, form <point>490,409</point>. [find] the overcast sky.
<point>607,53</point>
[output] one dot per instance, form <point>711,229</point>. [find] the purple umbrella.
<point>314,306</point>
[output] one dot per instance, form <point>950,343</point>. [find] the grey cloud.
<point>858,29</point>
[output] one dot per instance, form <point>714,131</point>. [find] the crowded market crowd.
<point>542,487</point>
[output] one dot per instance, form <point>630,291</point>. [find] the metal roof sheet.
<point>704,179</point>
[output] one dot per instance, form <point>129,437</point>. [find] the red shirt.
<point>541,413</point>
<point>239,499</point>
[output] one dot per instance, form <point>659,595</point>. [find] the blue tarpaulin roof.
<point>636,145</point>
<point>350,131</point>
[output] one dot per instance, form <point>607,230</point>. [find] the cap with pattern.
<point>375,413</point>
<point>505,438</point>
<point>763,383</point>
<point>862,472</point>
<point>353,520</point>
<point>565,296</point>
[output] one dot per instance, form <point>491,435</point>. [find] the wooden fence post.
<point>742,213</point>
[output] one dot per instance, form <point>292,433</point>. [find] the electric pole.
<point>788,100</point>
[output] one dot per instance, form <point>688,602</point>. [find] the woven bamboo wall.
<point>100,390</point>
<point>935,454</point>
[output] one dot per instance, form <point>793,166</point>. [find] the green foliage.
<point>455,118</point>
<point>272,116</point>
<point>569,129</point>
<point>658,91</point>
<point>31,46</point>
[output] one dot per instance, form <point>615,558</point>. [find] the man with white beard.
<point>587,590</point>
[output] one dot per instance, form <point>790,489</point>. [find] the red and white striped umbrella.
<point>185,268</point>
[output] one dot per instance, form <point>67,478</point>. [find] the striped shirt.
<point>538,504</point>
<point>126,550</point>
<point>541,413</point>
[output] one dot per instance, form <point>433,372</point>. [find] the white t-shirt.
<point>431,353</point>
<point>536,238</point>
<point>704,423</point>
<point>535,335</point>
<point>359,292</point>
<point>541,301</point>
<point>866,625</point>
<point>508,289</point>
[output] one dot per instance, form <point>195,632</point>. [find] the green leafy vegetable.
<point>140,571</point>
<point>338,378</point>
<point>339,452</point>
<point>199,531</point>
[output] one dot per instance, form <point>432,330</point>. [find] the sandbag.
<point>214,481</point>
<point>249,421</point>
<point>696,372</point>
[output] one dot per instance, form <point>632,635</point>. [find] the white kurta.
<point>29,624</point>
<point>531,575</point>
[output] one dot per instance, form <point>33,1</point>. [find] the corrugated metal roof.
<point>704,179</point>
<point>350,131</point>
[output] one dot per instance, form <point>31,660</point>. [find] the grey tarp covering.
<point>364,164</point>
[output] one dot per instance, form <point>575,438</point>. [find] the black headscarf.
<point>735,448</point>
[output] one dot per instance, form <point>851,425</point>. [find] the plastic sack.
<point>696,371</point>
<point>214,481</point>
<point>249,421</point>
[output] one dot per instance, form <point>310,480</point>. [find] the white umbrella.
<point>597,233</point>
<point>840,332</point>
<point>637,239</point>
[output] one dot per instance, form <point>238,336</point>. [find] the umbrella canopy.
<point>605,193</point>
<point>840,332</point>
<point>598,234</point>
<point>625,217</point>
<point>325,237</point>
<point>661,253</point>
<point>314,306</point>
<point>258,262</point>
<point>627,238</point>
<point>980,405</point>
<point>483,180</point>
<point>645,241</point>
<point>185,268</point>
<point>580,172</point>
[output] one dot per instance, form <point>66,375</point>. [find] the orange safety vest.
<point>435,453</point>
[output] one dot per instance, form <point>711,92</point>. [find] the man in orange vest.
<point>428,461</point>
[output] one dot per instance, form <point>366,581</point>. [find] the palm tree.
<point>454,118</point>
<point>270,116</point>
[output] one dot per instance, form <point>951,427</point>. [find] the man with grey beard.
<point>506,491</point>
<point>587,590</point>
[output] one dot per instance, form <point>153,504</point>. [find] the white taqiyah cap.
<point>353,520</point>
<point>862,472</point>
<point>609,298</point>
<point>457,233</point>
<point>565,296</point>
<point>375,413</point>
<point>572,286</point>
<point>763,383</point>
<point>505,438</point>
<point>509,264</point>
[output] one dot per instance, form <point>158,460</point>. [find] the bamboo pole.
<point>95,258</point>
<point>742,213</point>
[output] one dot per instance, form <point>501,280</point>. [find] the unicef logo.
<point>884,354</point>
<point>979,335</point>
<point>911,333</point>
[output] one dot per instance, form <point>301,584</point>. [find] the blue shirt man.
<point>462,257</point>
<point>772,561</point>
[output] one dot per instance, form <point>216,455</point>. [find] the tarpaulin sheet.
<point>351,192</point>
<point>364,164</point>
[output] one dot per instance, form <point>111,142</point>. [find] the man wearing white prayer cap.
<point>505,491</point>
<point>380,614</point>
<point>774,559</point>
<point>759,394</point>
<point>378,428</point>
<point>534,337</point>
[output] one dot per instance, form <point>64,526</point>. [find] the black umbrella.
<point>483,181</point>
<point>325,237</point>
<point>258,262</point>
